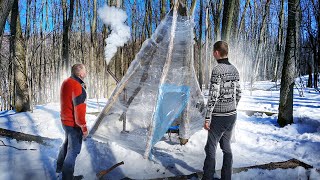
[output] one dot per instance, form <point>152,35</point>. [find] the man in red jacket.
<point>73,110</point>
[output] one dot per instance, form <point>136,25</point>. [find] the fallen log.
<point>104,172</point>
<point>6,145</point>
<point>292,163</point>
<point>24,137</point>
<point>252,112</point>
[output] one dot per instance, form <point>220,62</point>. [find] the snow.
<point>259,140</point>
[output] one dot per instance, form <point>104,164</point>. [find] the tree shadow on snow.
<point>172,164</point>
<point>30,164</point>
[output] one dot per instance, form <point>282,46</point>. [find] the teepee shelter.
<point>160,88</point>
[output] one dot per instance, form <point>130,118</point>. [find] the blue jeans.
<point>69,151</point>
<point>220,131</point>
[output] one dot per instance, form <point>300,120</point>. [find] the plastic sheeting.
<point>155,93</point>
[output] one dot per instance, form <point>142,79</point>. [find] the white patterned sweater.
<point>224,91</point>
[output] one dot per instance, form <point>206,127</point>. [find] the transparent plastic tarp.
<point>160,88</point>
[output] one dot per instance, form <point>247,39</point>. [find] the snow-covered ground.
<point>259,140</point>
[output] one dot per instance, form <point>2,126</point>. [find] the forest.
<point>40,40</point>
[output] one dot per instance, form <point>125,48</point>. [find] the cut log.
<point>24,137</point>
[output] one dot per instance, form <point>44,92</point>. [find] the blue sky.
<point>127,5</point>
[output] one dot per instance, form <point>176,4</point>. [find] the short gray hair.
<point>76,68</point>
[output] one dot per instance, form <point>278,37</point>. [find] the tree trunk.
<point>41,60</point>
<point>216,9</point>
<point>67,23</point>
<point>235,22</point>
<point>316,68</point>
<point>309,84</point>
<point>118,62</point>
<point>258,56</point>
<point>27,48</point>
<point>163,9</point>
<point>298,39</point>
<point>93,53</point>
<point>193,7</point>
<point>317,56</point>
<point>134,29</point>
<point>280,41</point>
<point>171,3</point>
<point>22,102</point>
<point>242,20</point>
<point>288,72</point>
<point>5,8</point>
<point>227,19</point>
<point>200,46</point>
<point>207,51</point>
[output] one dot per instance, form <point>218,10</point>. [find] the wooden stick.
<point>104,172</point>
<point>111,101</point>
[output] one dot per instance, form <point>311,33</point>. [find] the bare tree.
<point>207,51</point>
<point>280,41</point>
<point>67,23</point>
<point>22,102</point>
<point>227,19</point>
<point>242,20</point>
<point>289,65</point>
<point>162,8</point>
<point>235,22</point>
<point>200,74</point>
<point>216,9</point>
<point>258,52</point>
<point>316,49</point>
<point>5,8</point>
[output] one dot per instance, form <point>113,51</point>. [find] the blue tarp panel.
<point>171,102</point>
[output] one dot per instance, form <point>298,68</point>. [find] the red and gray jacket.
<point>72,99</point>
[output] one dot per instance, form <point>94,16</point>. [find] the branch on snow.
<point>24,137</point>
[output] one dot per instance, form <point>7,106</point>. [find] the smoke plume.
<point>120,32</point>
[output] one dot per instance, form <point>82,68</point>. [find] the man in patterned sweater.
<point>224,95</point>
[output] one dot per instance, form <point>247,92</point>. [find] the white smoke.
<point>120,32</point>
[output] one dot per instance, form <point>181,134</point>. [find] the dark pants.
<point>69,151</point>
<point>220,131</point>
